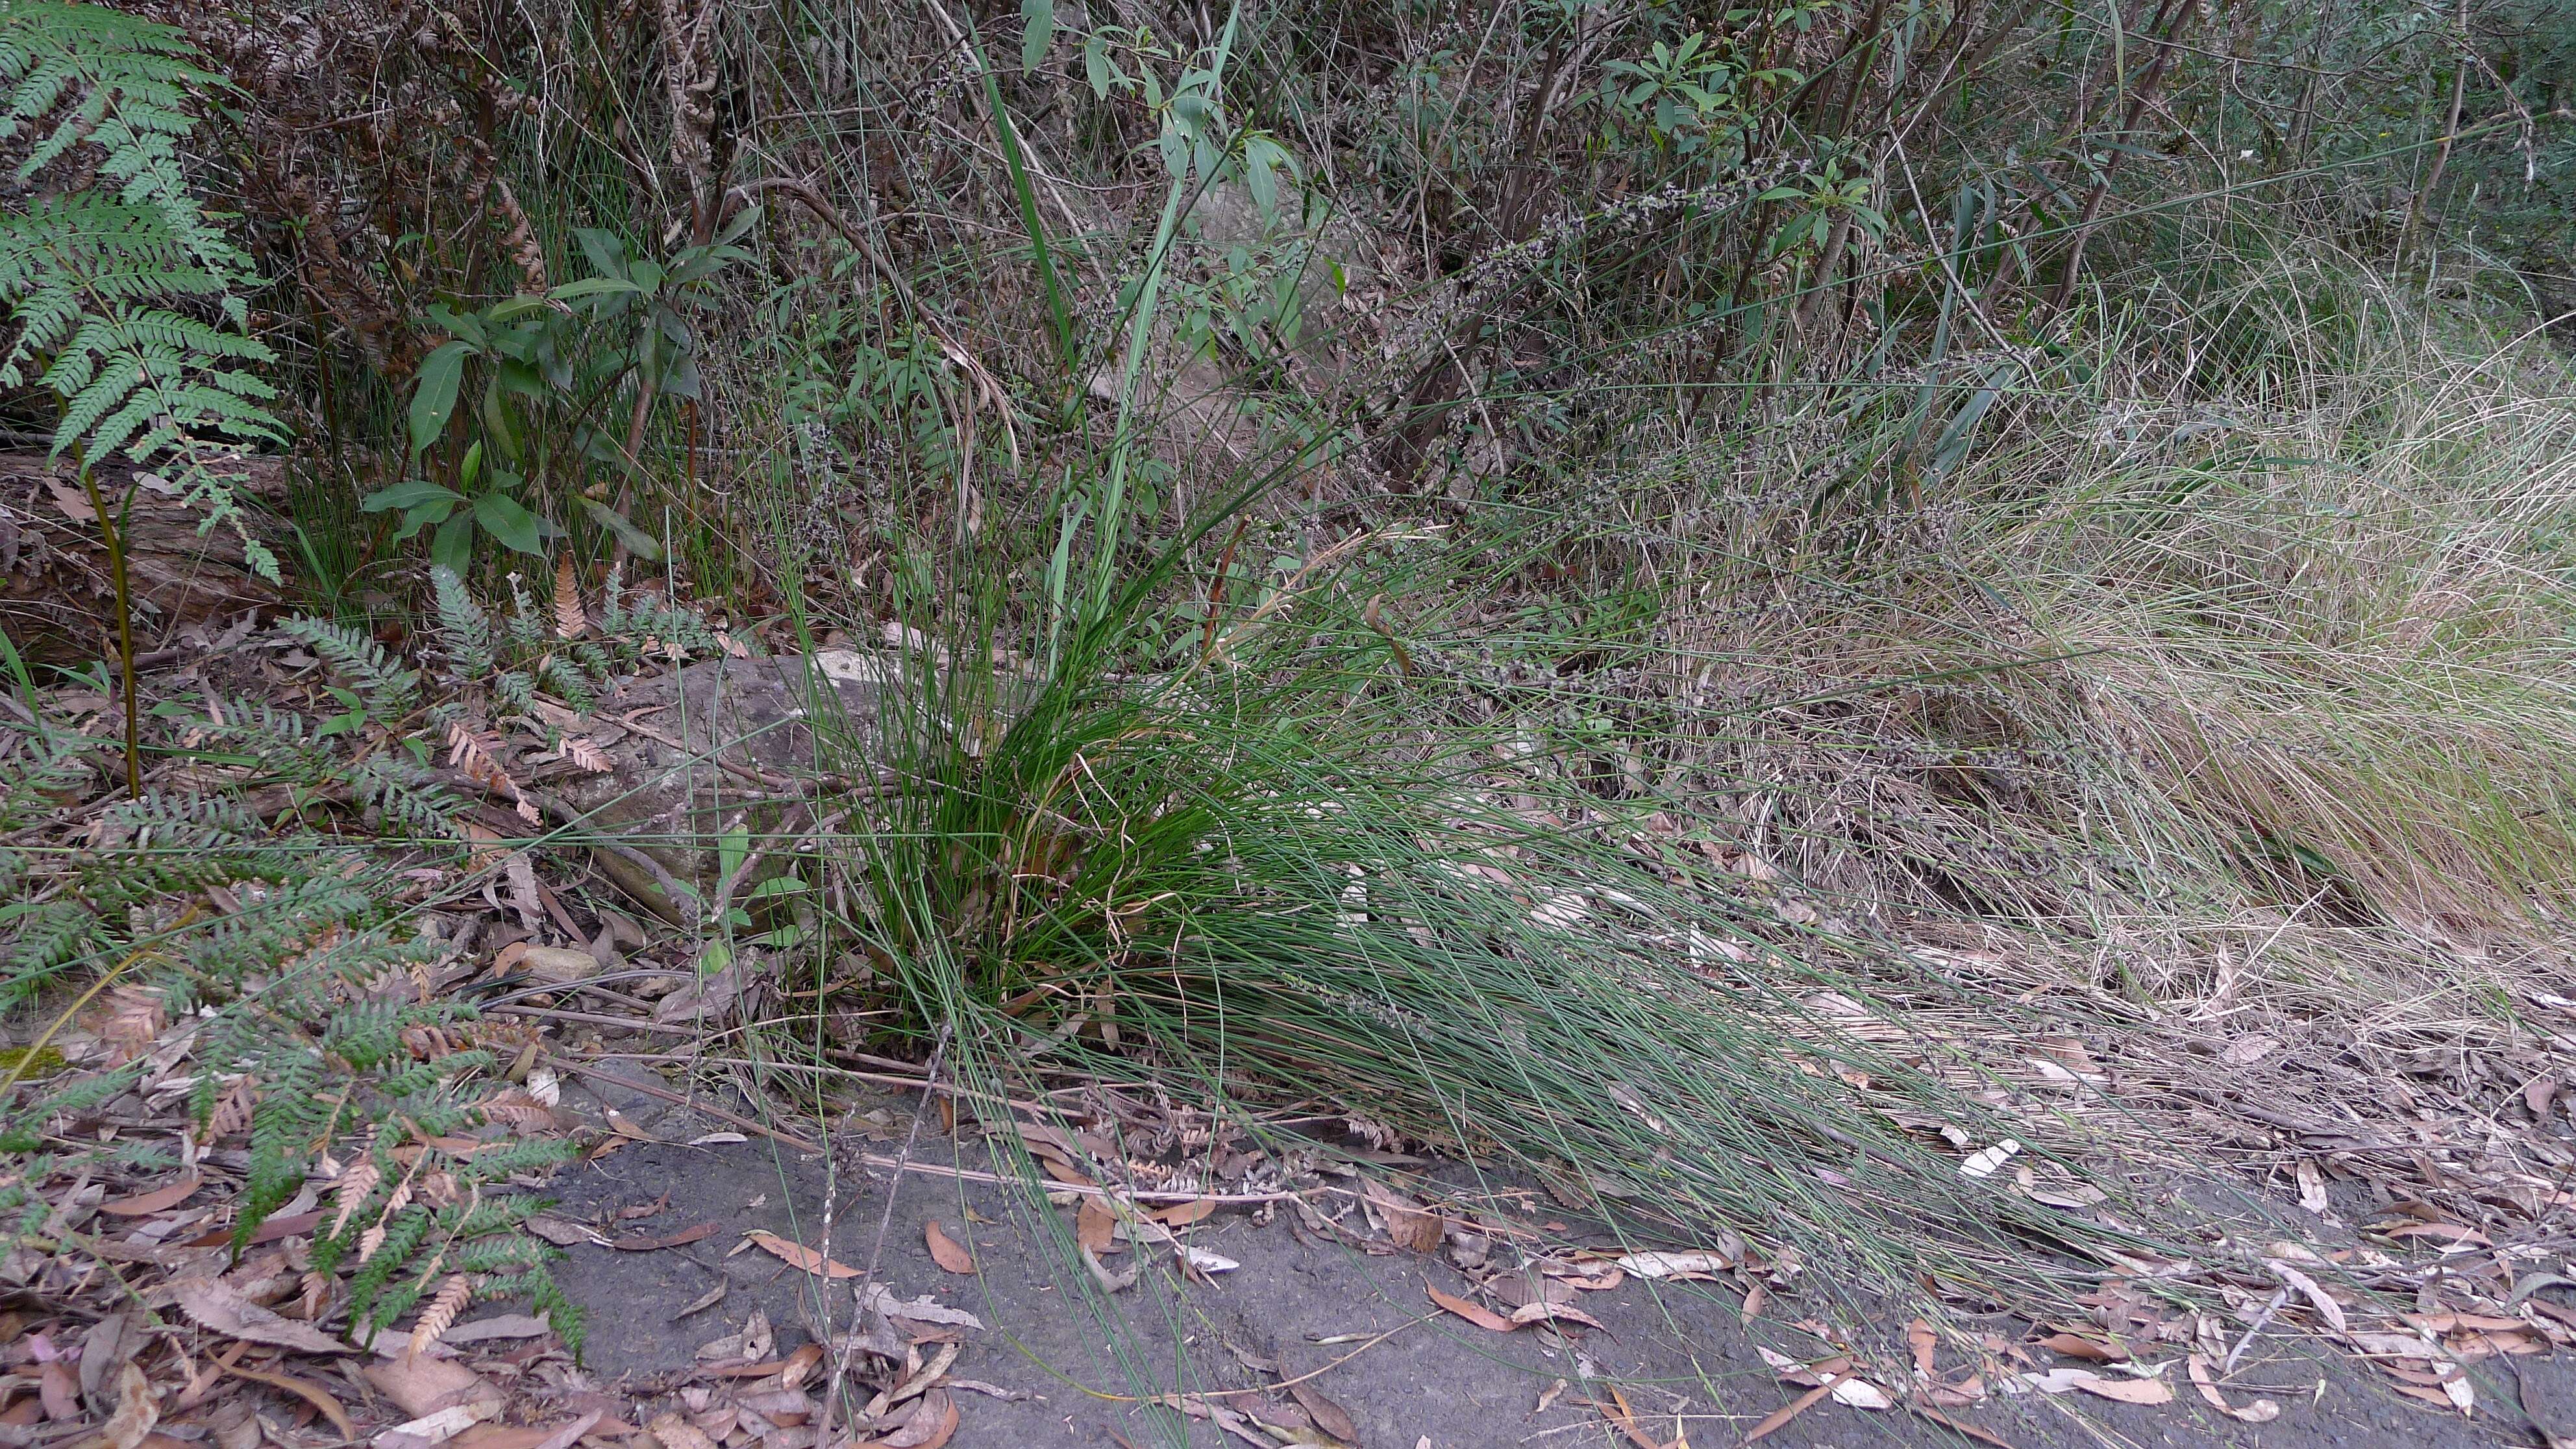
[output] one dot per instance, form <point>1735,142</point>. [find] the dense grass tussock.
<point>1283,887</point>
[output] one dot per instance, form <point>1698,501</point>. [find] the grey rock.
<point>727,742</point>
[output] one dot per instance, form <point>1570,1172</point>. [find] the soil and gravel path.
<point>1067,1365</point>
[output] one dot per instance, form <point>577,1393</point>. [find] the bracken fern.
<point>313,1023</point>
<point>127,296</point>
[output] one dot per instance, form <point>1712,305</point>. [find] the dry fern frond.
<point>441,1313</point>
<point>468,751</point>
<point>317,1292</point>
<point>570,621</point>
<point>231,1114</point>
<point>352,1190</point>
<point>516,1108</point>
<point>133,1022</point>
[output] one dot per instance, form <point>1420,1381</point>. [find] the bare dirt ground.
<point>1051,1360</point>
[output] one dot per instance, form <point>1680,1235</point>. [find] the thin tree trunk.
<point>2450,135</point>
<point>2170,24</point>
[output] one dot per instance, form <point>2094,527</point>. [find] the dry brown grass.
<point>2188,726</point>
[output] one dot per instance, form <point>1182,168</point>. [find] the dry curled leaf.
<point>797,1255</point>
<point>930,1426</point>
<point>570,1434</point>
<point>2076,1345</point>
<point>1407,1222</point>
<point>2064,1380</point>
<point>1538,1309</point>
<point>312,1393</point>
<point>1860,1394</point>
<point>144,1204</point>
<point>437,1428</point>
<point>227,1312</point>
<point>950,1255</point>
<point>138,1408</point>
<point>1330,1417</point>
<point>1093,1226</point>
<point>1961,1427</point>
<point>2327,1308</point>
<point>423,1386</point>
<point>1484,1318</point>
<point>1772,1421</point>
<point>587,756</point>
<point>676,1432</point>
<point>649,1243</point>
<point>1702,1264</point>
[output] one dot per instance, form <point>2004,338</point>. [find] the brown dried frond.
<point>441,1313</point>
<point>521,240</point>
<point>231,1114</point>
<point>570,621</point>
<point>317,1292</point>
<point>133,1021</point>
<point>520,1110</point>
<point>469,752</point>
<point>351,1191</point>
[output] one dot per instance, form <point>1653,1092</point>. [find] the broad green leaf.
<point>591,287</point>
<point>452,547</point>
<point>1096,67</point>
<point>639,543</point>
<point>606,250</point>
<point>423,515</point>
<point>734,231</point>
<point>433,395</point>
<point>497,424</point>
<point>1037,31</point>
<point>508,520</point>
<point>1258,178</point>
<point>408,494</point>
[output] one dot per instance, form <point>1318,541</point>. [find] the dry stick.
<point>884,783</point>
<point>2279,1297</point>
<point>867,1280</point>
<point>681,898</point>
<point>783,1139</point>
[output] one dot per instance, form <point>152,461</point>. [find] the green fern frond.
<point>358,661</point>
<point>97,279</point>
<point>51,938</point>
<point>463,629</point>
